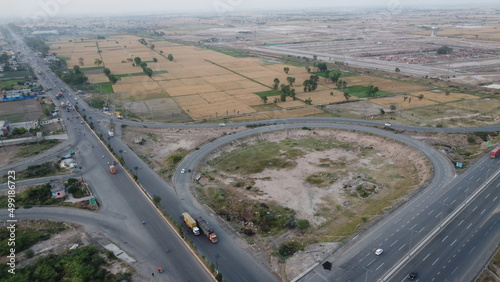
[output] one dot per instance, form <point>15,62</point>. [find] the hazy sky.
<point>54,8</point>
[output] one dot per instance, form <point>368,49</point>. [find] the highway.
<point>123,206</point>
<point>121,201</point>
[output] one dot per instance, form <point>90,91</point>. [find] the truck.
<point>63,105</point>
<point>112,169</point>
<point>206,229</point>
<point>495,152</point>
<point>191,223</point>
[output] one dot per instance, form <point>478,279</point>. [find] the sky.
<point>56,8</point>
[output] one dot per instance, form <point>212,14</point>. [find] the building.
<point>4,127</point>
<point>57,188</point>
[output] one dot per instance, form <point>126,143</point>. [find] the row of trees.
<point>37,45</point>
<point>144,66</point>
<point>74,76</point>
<point>112,78</point>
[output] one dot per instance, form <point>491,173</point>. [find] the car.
<point>378,252</point>
<point>81,121</point>
<point>387,124</point>
<point>182,170</point>
<point>412,276</point>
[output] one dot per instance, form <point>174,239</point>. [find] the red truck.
<point>495,152</point>
<point>206,229</point>
<point>112,169</point>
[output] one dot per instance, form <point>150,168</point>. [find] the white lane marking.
<point>453,202</point>
<point>478,179</point>
<point>435,261</point>
<point>453,243</point>
<point>460,222</point>
<point>483,211</point>
<point>378,236</point>
<point>426,256</point>
<point>421,230</point>
<point>454,270</point>
<point>370,262</point>
<point>430,212</point>
<point>474,208</point>
<point>413,227</point>
<point>437,215</point>
<point>401,247</point>
<point>495,198</point>
<point>472,250</point>
<point>445,200</point>
<point>469,226</point>
<point>444,239</point>
<point>487,196</point>
<point>394,243</point>
<point>379,266</point>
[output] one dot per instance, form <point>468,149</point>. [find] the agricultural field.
<point>202,84</point>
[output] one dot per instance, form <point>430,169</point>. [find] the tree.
<point>143,65</point>
<point>76,70</point>
<point>143,41</point>
<point>276,83</point>
<point>290,80</point>
<point>322,67</point>
<point>347,95</point>
<point>155,60</point>
<point>81,61</point>
<point>444,50</point>
<point>97,62</point>
<point>292,94</point>
<point>308,101</point>
<point>152,46</point>
<point>264,99</point>
<point>335,76</point>
<point>137,60</point>
<point>148,72</point>
<point>106,71</point>
<point>112,78</point>
<point>283,97</point>
<point>397,70</point>
<point>372,90</point>
<point>308,69</point>
<point>161,52</point>
<point>170,57</point>
<point>393,107</point>
<point>382,111</point>
<point>420,97</point>
<point>286,69</point>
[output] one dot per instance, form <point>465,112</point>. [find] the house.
<point>4,127</point>
<point>57,188</point>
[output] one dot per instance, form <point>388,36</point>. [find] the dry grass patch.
<point>138,89</point>
<point>97,78</point>
<point>441,97</point>
<point>401,104</point>
<point>323,96</point>
<point>291,104</point>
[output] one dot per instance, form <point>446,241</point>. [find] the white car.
<point>387,124</point>
<point>378,252</point>
<point>182,170</point>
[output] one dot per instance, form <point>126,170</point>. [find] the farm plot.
<point>97,78</point>
<point>441,97</point>
<point>212,105</point>
<point>322,96</point>
<point>386,85</point>
<point>399,101</point>
<point>138,90</point>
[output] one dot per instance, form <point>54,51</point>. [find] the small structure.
<point>434,31</point>
<point>57,188</point>
<point>68,163</point>
<point>4,127</point>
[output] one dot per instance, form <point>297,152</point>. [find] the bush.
<point>29,253</point>
<point>289,248</point>
<point>303,224</point>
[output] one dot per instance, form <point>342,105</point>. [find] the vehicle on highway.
<point>387,124</point>
<point>191,223</point>
<point>412,276</point>
<point>112,169</point>
<point>495,153</point>
<point>378,252</point>
<point>206,229</point>
<point>182,170</point>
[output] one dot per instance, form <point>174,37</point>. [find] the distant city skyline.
<point>61,8</point>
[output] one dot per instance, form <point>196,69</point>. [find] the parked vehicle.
<point>112,169</point>
<point>191,223</point>
<point>206,229</point>
<point>110,133</point>
<point>495,153</point>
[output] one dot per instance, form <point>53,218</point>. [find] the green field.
<point>17,117</point>
<point>14,74</point>
<point>104,88</point>
<point>360,92</point>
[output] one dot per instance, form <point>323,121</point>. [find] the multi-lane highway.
<point>123,206</point>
